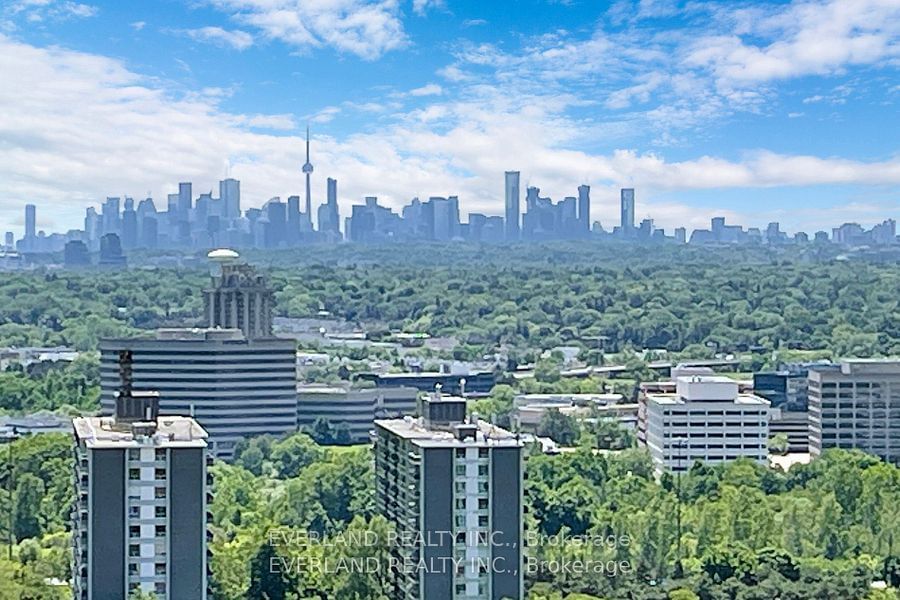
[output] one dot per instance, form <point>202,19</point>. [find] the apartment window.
<point>160,454</point>
<point>460,453</point>
<point>460,589</point>
<point>160,568</point>
<point>134,454</point>
<point>159,588</point>
<point>134,474</point>
<point>134,531</point>
<point>134,550</point>
<point>483,453</point>
<point>159,473</point>
<point>160,530</point>
<point>460,470</point>
<point>482,504</point>
<point>460,503</point>
<point>133,569</point>
<point>482,470</point>
<point>482,521</point>
<point>159,493</point>
<point>134,512</point>
<point>160,512</point>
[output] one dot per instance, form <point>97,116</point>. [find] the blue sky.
<point>757,111</point>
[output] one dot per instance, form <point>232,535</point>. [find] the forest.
<point>823,531</point>
<point>606,300</point>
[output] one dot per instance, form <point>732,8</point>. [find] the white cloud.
<point>420,7</point>
<point>366,28</point>
<point>40,10</point>
<point>237,39</point>
<point>806,38</point>
<point>138,25</point>
<point>432,89</point>
<point>78,127</point>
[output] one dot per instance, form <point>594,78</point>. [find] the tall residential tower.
<point>139,518</point>
<point>453,486</point>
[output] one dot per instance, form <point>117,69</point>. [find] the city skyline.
<point>709,111</point>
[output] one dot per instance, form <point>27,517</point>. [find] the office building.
<point>129,225</point>
<point>111,255</point>
<point>238,297</point>
<point>705,419</point>
<point>329,215</point>
<point>469,383</point>
<point>76,254</point>
<point>856,406</point>
<point>452,487</point>
<point>139,517</point>
<point>353,410</point>
<point>234,386</point>
<point>787,392</point>
<point>30,226</point>
<point>626,226</point>
<point>512,206</point>
<point>230,195</point>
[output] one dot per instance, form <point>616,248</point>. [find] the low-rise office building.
<point>356,409</point>
<point>856,406</point>
<point>708,419</point>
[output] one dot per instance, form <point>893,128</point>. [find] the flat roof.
<point>675,399</point>
<point>171,432</point>
<point>487,434</point>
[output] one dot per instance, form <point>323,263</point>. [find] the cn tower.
<point>308,169</point>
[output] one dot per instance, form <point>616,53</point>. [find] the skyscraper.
<point>230,194</point>
<point>111,220</point>
<point>451,485</point>
<point>30,222</point>
<point>512,206</point>
<point>129,225</point>
<point>91,226</point>
<point>139,519</point>
<point>308,169</point>
<point>293,220</point>
<point>584,210</point>
<point>329,216</point>
<point>627,222</point>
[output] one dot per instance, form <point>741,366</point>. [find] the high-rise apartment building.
<point>139,518</point>
<point>856,406</point>
<point>235,387</point>
<point>627,212</point>
<point>708,419</point>
<point>452,488</point>
<point>512,206</point>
